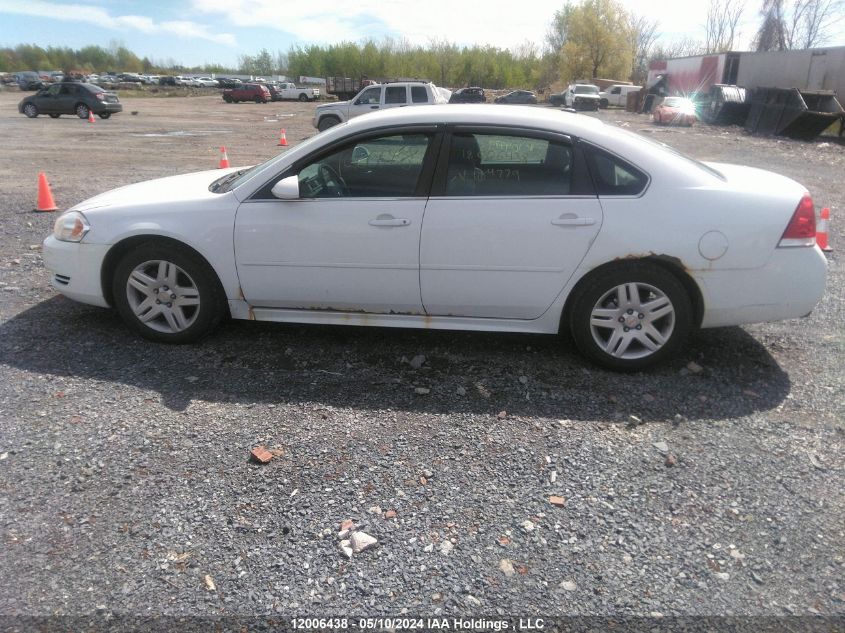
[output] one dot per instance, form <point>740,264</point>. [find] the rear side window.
<point>418,94</point>
<point>613,176</point>
<point>395,94</point>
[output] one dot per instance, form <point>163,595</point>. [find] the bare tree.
<point>810,22</point>
<point>721,27</point>
<point>771,36</point>
<point>643,33</point>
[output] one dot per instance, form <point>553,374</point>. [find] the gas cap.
<point>713,245</point>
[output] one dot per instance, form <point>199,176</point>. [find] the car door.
<point>512,214</point>
<point>350,242</point>
<point>47,100</point>
<point>366,101</point>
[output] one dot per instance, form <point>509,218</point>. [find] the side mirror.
<point>287,188</point>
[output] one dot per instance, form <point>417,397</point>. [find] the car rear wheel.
<point>82,110</point>
<point>30,110</point>
<point>630,317</point>
<point>167,294</point>
<point>326,122</point>
<point>104,115</point>
<point>55,116</point>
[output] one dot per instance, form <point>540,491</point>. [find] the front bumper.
<point>788,287</point>
<point>107,106</point>
<point>75,269</point>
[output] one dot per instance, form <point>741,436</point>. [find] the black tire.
<point>303,97</point>
<point>30,110</point>
<point>104,115</point>
<point>191,272</point>
<point>258,100</point>
<point>55,116</point>
<point>326,122</point>
<point>603,104</point>
<point>227,98</point>
<point>615,324</point>
<point>81,110</point>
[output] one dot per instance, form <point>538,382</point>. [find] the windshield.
<point>586,90</point>
<point>237,178</point>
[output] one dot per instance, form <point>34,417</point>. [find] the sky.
<point>195,32</point>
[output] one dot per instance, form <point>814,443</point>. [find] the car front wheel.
<point>82,111</point>
<point>303,97</point>
<point>167,294</point>
<point>630,317</point>
<point>30,110</point>
<point>327,122</point>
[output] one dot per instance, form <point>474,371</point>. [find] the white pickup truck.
<point>617,95</point>
<point>289,90</point>
<point>392,94</point>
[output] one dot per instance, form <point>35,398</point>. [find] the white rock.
<point>461,391</point>
<point>663,447</point>
<point>553,476</point>
<point>722,575</point>
<point>361,541</point>
<point>506,567</point>
<point>694,367</point>
<point>528,526</point>
<point>523,380</point>
<point>417,361</point>
<point>568,585</point>
<point>446,547</point>
<point>429,547</point>
<point>346,548</point>
<point>422,391</point>
<point>374,510</point>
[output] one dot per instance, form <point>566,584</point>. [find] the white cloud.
<point>100,17</point>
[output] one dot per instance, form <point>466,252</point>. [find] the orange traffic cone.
<point>224,159</point>
<point>45,196</point>
<point>90,116</point>
<point>283,140</point>
<point>822,229</point>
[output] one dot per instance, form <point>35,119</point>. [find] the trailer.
<point>815,69</point>
<point>345,88</point>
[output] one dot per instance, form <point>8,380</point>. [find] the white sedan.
<point>460,217</point>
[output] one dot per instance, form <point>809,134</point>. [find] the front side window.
<point>507,165</point>
<point>371,96</point>
<point>53,90</point>
<point>395,94</point>
<point>385,166</point>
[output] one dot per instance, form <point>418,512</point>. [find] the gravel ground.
<point>500,474</point>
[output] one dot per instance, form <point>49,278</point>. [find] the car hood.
<point>585,96</point>
<point>170,189</point>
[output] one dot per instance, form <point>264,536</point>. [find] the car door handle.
<point>570,219</point>
<point>389,221</point>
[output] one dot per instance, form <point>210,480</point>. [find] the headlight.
<point>71,227</point>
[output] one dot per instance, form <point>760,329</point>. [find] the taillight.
<point>801,230</point>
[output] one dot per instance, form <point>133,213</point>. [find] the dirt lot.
<point>125,486</point>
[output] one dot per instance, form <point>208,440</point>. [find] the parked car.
<point>473,94</point>
<point>391,94</point>
<point>617,95</point>
<point>410,222</point>
<point>29,80</point>
<point>288,90</point>
<point>71,98</point>
<point>581,97</point>
<point>225,82</point>
<point>517,96</point>
<point>247,92</point>
<point>134,78</point>
<point>206,82</point>
<point>167,80</point>
<point>675,111</point>
<point>150,80</point>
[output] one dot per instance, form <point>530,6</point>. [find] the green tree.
<point>597,41</point>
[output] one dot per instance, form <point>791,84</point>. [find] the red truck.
<point>248,92</point>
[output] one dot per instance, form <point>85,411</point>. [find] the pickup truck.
<point>288,90</point>
<point>617,95</point>
<point>581,97</point>
<point>392,94</point>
